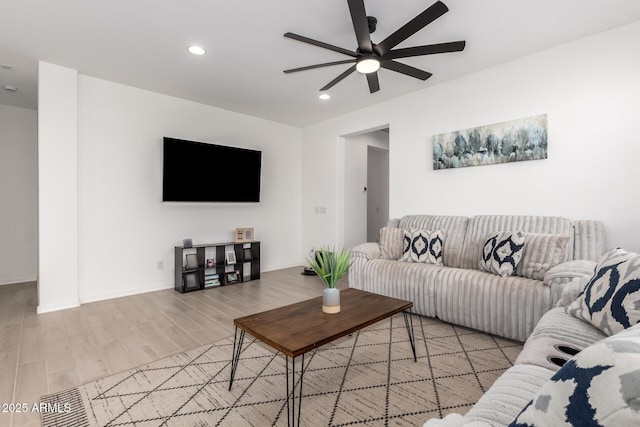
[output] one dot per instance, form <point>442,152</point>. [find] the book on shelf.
<point>211,276</point>
<point>211,282</point>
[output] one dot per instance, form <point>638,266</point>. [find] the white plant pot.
<point>331,300</point>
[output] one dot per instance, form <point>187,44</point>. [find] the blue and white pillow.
<point>611,299</point>
<point>422,246</point>
<point>600,386</point>
<point>502,252</point>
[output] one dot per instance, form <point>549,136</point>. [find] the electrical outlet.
<point>160,265</point>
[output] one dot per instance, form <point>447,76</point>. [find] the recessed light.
<point>197,50</point>
<point>9,88</point>
<point>324,96</point>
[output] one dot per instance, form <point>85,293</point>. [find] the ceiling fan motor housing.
<point>372,23</point>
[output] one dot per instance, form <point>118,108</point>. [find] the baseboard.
<point>127,293</point>
<point>16,280</point>
<point>49,309</point>
<point>282,267</point>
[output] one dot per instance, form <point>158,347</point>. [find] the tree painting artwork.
<point>513,141</point>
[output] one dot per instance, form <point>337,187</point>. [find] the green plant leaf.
<point>330,264</point>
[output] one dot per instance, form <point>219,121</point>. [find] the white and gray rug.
<point>369,378</point>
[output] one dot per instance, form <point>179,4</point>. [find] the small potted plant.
<point>330,266</point>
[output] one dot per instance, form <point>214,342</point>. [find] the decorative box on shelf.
<point>244,235</point>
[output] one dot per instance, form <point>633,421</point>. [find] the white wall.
<point>588,88</point>
<point>18,194</point>
<point>125,229</point>
<point>57,188</point>
<point>355,178</point>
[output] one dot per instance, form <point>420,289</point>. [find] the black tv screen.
<point>199,172</point>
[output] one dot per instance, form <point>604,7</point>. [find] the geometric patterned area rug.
<point>367,379</point>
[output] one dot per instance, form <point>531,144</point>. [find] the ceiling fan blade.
<point>405,69</point>
<point>432,13</point>
<point>360,25</point>
<point>426,50</point>
<point>326,64</point>
<point>374,84</point>
<point>339,78</point>
<point>321,44</point>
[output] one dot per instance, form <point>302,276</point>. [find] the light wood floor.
<point>42,354</point>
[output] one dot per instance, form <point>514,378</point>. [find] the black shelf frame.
<point>220,267</point>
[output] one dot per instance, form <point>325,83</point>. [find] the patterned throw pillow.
<point>541,252</point>
<point>502,252</point>
<point>611,299</point>
<point>422,246</point>
<point>391,242</point>
<point>600,386</point>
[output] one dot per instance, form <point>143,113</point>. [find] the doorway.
<point>377,191</point>
<point>366,186</point>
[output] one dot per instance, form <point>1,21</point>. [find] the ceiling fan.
<point>369,57</point>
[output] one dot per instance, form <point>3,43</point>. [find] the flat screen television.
<point>198,172</point>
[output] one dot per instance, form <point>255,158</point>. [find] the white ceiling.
<point>143,43</point>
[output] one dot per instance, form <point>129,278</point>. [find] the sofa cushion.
<point>541,252</point>
<point>412,281</point>
<point>589,240</point>
<point>391,240</point>
<point>480,226</point>
<point>502,252</point>
<point>599,386</point>
<point>506,306</point>
<point>393,223</point>
<point>611,299</point>
<point>422,246</point>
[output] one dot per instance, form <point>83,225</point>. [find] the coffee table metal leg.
<point>291,396</point>
<point>237,349</point>
<point>408,321</point>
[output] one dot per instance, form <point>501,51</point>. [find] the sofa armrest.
<point>558,277</point>
<point>567,271</point>
<point>571,290</point>
<point>369,250</point>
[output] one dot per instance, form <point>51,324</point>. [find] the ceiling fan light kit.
<point>367,64</point>
<point>370,57</point>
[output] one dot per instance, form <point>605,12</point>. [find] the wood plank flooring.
<point>42,354</point>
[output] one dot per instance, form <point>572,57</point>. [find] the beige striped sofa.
<point>512,391</point>
<point>459,292</point>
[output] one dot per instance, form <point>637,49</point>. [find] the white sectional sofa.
<point>568,373</point>
<point>459,292</point>
<point>580,364</point>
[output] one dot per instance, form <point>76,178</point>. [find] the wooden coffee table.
<point>298,328</point>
